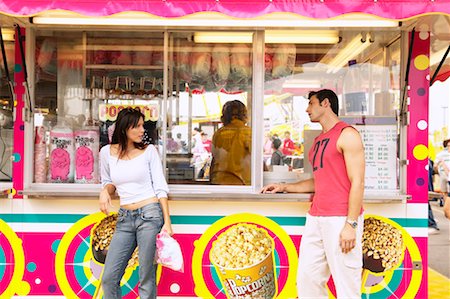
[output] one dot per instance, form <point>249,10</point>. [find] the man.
<point>432,224</point>
<point>288,144</point>
<point>207,143</point>
<point>443,166</point>
<point>331,242</point>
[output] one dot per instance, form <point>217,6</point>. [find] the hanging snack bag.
<point>61,155</point>
<point>87,144</point>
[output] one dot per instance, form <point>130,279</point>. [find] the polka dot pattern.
<point>17,68</point>
<point>55,245</point>
<point>52,288</point>
<point>23,289</point>
<point>424,35</point>
<point>175,288</point>
<point>424,27</point>
<point>420,152</point>
<point>16,157</point>
<point>422,125</point>
<point>417,132</point>
<point>31,267</point>
<point>421,62</point>
<point>420,182</point>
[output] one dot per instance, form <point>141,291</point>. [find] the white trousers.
<point>321,255</point>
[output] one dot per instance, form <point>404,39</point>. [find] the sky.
<point>439,108</point>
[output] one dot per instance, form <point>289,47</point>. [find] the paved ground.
<point>439,244</point>
<point>439,257</point>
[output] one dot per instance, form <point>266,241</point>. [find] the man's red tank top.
<point>331,182</point>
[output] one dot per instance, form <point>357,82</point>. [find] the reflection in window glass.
<point>205,76</point>
<point>82,82</point>
<point>363,72</point>
<point>6,112</point>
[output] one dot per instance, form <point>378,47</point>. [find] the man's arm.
<point>353,150</point>
<point>305,186</point>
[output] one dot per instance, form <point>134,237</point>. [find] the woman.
<point>135,171</point>
<point>231,147</point>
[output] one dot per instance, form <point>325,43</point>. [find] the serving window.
<point>183,81</point>
<point>209,74</point>
<point>83,80</point>
<point>363,69</point>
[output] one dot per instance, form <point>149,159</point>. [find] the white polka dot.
<point>427,167</point>
<point>428,77</point>
<point>424,27</point>
<point>422,125</point>
<point>37,281</point>
<point>423,35</point>
<point>175,288</point>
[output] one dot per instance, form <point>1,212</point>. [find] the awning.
<point>390,9</point>
<point>443,74</point>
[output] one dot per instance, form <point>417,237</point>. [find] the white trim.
<point>213,23</point>
<point>417,210</point>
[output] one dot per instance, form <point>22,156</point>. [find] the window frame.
<point>257,121</point>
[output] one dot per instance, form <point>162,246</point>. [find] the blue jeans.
<point>134,228</point>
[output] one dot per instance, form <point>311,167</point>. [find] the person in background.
<point>172,145</point>
<point>332,237</point>
<point>268,150</point>
<point>288,144</point>
<point>443,165</point>
<point>135,171</point>
<point>199,153</point>
<point>197,139</point>
<point>277,156</point>
<point>231,147</point>
<point>432,225</point>
<point>206,142</point>
<point>181,143</point>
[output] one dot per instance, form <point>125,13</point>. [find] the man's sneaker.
<point>433,231</point>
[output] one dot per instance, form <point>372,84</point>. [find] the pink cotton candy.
<point>168,252</point>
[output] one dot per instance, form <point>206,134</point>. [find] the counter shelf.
<point>49,190</point>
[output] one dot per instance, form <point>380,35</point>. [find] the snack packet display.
<point>62,154</point>
<point>87,143</point>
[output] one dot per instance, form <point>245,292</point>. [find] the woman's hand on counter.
<point>105,201</point>
<point>273,188</point>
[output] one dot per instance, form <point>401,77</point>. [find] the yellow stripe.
<point>438,285</point>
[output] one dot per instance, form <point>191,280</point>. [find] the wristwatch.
<point>352,223</point>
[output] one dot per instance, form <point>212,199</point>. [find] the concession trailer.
<point>68,67</point>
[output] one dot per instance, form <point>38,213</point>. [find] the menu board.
<point>380,144</point>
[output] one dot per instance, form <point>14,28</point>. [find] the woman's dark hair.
<point>233,110</point>
<point>127,118</point>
